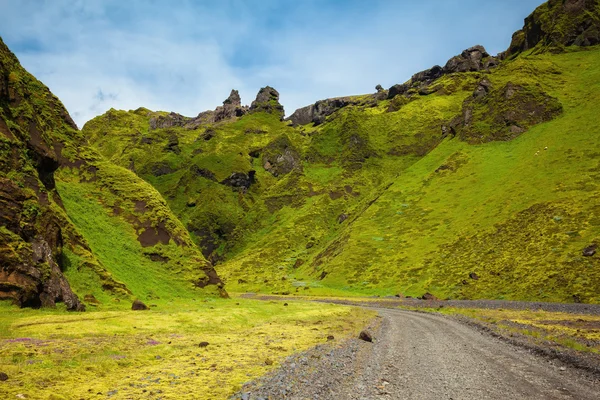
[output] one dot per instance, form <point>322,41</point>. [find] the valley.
<point>454,216</point>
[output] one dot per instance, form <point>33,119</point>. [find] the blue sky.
<point>186,56</point>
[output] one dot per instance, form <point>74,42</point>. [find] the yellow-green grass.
<point>122,354</point>
<point>579,332</point>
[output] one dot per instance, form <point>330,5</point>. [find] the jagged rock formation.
<point>231,108</point>
<point>31,237</point>
<point>556,24</point>
<point>475,58</point>
<point>316,113</point>
<point>267,100</point>
<point>374,200</point>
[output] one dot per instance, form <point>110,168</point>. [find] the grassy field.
<point>117,353</point>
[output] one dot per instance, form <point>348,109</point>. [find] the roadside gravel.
<point>422,356</point>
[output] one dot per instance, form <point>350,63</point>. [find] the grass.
<point>422,212</point>
<point>118,353</point>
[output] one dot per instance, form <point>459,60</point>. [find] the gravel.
<point>422,356</point>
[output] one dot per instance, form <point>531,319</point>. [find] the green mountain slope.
<point>471,180</point>
<point>66,212</point>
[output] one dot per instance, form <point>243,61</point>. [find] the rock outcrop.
<point>31,236</point>
<point>231,108</point>
<point>556,24</point>
<point>267,100</point>
<point>316,113</point>
<point>502,114</point>
<point>280,157</point>
<point>475,58</point>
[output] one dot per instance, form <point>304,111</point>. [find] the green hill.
<point>73,226</point>
<point>476,179</point>
<point>472,180</point>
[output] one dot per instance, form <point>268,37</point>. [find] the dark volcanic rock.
<point>556,24</point>
<point>316,113</point>
<point>590,250</point>
<point>342,218</point>
<point>474,276</point>
<point>240,181</point>
<point>475,58</point>
<point>3,376</point>
<point>366,336</point>
<point>471,59</point>
<point>231,108</point>
<point>139,306</point>
<point>267,100</point>
<point>428,296</point>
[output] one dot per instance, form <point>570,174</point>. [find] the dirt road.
<point>424,356</point>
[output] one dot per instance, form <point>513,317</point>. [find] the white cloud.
<point>186,56</point>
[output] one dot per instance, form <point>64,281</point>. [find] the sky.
<point>186,56</point>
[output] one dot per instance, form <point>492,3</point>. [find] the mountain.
<point>475,179</point>
<point>74,226</point>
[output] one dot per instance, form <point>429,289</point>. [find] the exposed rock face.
<point>475,58</point>
<point>168,121</point>
<point>267,100</point>
<point>556,24</point>
<point>469,60</point>
<point>316,113</point>
<point>280,157</point>
<point>240,181</point>
<point>231,108</point>
<point>30,228</point>
<point>502,114</point>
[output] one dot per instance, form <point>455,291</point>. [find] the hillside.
<point>75,228</point>
<point>471,180</point>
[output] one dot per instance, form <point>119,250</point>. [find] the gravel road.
<point>422,356</point>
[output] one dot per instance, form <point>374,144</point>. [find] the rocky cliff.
<point>44,154</point>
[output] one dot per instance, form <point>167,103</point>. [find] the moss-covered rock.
<point>557,24</point>
<point>503,113</point>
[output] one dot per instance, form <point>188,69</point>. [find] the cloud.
<point>186,56</point>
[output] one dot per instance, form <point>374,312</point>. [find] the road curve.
<point>428,356</point>
<point>422,356</point>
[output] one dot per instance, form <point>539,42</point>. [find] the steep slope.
<point>475,179</point>
<point>67,212</point>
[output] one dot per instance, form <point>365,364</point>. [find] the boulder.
<point>3,377</point>
<point>474,276</point>
<point>590,250</point>
<point>471,59</point>
<point>366,336</point>
<point>428,296</point>
<point>139,306</point>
